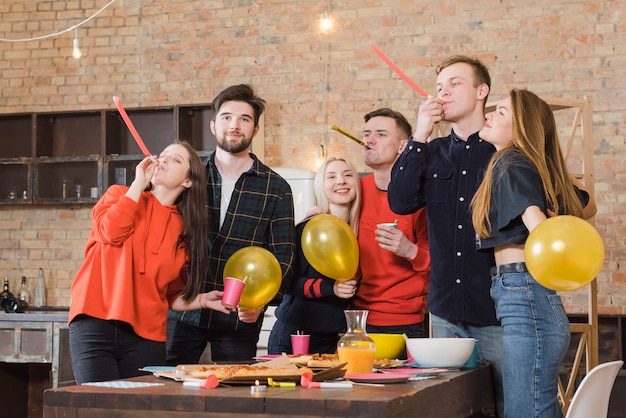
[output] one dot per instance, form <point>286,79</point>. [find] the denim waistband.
<point>509,268</point>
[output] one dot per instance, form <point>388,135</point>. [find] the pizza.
<point>245,371</point>
<point>317,360</point>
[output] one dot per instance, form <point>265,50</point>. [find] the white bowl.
<point>440,352</point>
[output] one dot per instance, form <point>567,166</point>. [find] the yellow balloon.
<point>330,246</point>
<point>260,270</point>
<point>564,253</point>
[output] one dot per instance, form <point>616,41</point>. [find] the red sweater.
<point>132,268</point>
<point>392,288</point>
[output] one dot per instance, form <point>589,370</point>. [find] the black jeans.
<point>280,340</point>
<point>186,342</point>
<point>109,350</point>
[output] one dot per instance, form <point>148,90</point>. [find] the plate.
<point>415,371</point>
<point>378,377</point>
<point>267,357</point>
<point>153,369</point>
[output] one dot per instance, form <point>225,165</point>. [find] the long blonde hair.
<point>322,200</point>
<point>534,136</point>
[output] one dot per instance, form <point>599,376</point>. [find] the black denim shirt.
<point>443,175</point>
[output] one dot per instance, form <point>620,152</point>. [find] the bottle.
<point>5,290</point>
<point>23,293</point>
<point>40,290</point>
<point>356,347</point>
<point>8,302</point>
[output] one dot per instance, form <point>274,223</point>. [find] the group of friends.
<point>149,291</point>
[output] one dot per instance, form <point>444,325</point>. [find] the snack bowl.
<point>388,346</point>
<point>440,352</point>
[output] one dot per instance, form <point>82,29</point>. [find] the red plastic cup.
<point>232,291</point>
<point>300,344</point>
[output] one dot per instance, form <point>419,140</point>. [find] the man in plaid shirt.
<point>248,204</point>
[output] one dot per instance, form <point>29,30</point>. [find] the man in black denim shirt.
<point>443,175</point>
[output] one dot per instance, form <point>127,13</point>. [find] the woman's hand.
<point>213,300</point>
<point>315,210</point>
<point>143,174</point>
<point>345,289</point>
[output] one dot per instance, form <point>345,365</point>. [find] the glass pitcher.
<point>356,347</point>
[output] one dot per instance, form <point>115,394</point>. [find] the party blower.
<point>352,137</point>
<point>132,128</point>
<point>398,71</point>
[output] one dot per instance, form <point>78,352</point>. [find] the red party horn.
<point>131,127</point>
<point>398,71</point>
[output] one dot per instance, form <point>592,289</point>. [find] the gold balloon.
<point>564,253</point>
<point>330,246</point>
<point>260,270</point>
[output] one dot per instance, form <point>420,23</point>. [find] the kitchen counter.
<point>39,315</point>
<point>34,356</point>
<point>38,336</point>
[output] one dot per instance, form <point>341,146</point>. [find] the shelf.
<point>39,151</point>
<point>155,126</point>
<point>16,136</point>
<point>194,126</point>
<point>56,179</point>
<point>68,134</point>
<point>16,181</point>
<point>120,169</point>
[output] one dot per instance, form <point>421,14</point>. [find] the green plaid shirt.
<point>260,213</point>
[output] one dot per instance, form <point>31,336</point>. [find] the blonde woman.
<point>315,303</point>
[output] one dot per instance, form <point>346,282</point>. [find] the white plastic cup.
<point>387,224</point>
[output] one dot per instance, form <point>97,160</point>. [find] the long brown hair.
<point>535,136</point>
<point>192,207</point>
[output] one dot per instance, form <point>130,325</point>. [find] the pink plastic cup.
<point>300,344</point>
<point>232,292</point>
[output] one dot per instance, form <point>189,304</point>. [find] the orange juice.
<point>360,360</point>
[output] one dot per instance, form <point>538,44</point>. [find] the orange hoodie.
<point>132,269</point>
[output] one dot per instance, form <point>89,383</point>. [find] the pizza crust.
<point>317,360</point>
<point>243,371</point>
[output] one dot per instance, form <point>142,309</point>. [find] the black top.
<point>310,303</point>
<point>443,175</point>
<point>516,185</point>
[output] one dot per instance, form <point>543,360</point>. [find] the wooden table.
<point>452,394</point>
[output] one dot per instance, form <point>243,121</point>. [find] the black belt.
<point>509,268</point>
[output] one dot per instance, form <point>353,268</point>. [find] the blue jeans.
<point>536,338</point>
<point>109,350</point>
<point>489,342</point>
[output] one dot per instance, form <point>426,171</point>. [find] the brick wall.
<point>157,52</point>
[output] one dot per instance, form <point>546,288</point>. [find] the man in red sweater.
<point>395,262</point>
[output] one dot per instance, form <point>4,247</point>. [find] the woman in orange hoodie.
<point>147,252</point>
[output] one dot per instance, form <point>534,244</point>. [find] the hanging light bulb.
<point>326,23</point>
<point>76,52</point>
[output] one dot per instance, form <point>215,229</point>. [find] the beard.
<point>233,147</point>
